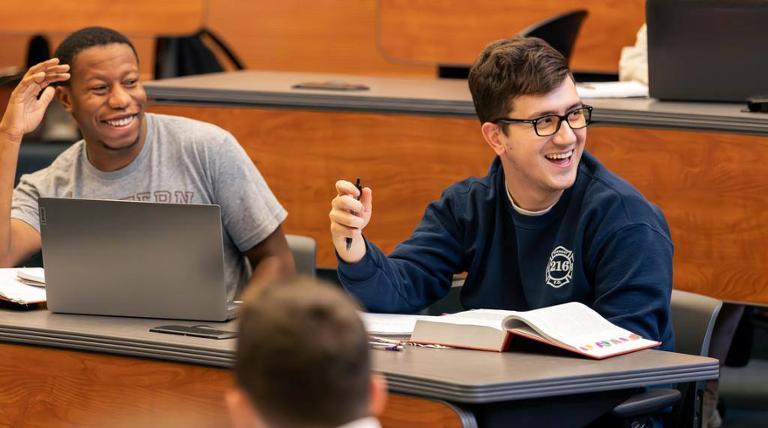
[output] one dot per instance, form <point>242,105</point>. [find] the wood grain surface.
<point>336,36</point>
<point>455,31</point>
<point>710,185</point>
<point>712,188</point>
<point>408,411</point>
<point>339,36</point>
<point>47,387</point>
<point>5,93</point>
<point>57,388</point>
<point>137,17</point>
<point>406,160</point>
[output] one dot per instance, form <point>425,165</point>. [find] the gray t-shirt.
<point>183,161</point>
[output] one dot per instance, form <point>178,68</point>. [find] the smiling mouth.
<point>122,122</point>
<point>560,158</point>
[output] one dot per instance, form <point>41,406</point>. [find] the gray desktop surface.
<point>451,97</point>
<point>479,376</point>
<point>117,335</point>
<point>452,374</point>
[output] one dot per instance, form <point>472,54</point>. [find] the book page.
<point>493,318</point>
<point>580,327</point>
<point>13,290</point>
<point>626,89</point>
<point>391,324</point>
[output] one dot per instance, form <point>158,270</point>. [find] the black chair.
<point>303,249</point>
<point>693,321</point>
<point>559,31</point>
<point>198,53</point>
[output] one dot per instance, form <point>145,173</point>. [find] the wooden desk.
<point>75,371</point>
<point>180,380</point>
<point>705,165</point>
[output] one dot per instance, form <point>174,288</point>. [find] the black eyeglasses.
<point>545,126</point>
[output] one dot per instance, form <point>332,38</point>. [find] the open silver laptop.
<point>136,259</point>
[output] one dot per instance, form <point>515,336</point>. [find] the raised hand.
<point>31,98</point>
<point>348,218</point>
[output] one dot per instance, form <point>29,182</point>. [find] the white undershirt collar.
<point>524,211</point>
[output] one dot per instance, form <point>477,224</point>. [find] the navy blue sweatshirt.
<point>602,244</point>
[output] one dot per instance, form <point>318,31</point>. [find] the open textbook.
<point>572,326</point>
<point>391,324</point>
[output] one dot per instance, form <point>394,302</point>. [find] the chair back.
<point>303,249</point>
<point>559,31</point>
<point>693,320</point>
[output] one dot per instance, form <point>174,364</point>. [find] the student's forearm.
<point>270,269</point>
<point>9,154</point>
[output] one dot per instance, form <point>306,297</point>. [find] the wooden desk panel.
<point>322,36</point>
<point>407,160</point>
<point>454,32</point>
<point>710,185</point>
<point>5,94</point>
<point>46,387</point>
<point>147,17</point>
<point>337,36</point>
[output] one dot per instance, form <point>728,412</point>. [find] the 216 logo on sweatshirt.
<point>560,267</point>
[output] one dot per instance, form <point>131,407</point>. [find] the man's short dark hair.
<point>302,355</point>
<point>86,38</point>
<point>509,68</point>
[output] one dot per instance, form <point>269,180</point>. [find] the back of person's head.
<point>509,68</point>
<point>303,356</point>
<point>86,38</point>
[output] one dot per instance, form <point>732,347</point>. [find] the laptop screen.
<point>133,259</point>
<point>707,50</point>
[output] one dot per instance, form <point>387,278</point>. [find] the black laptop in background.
<point>707,50</point>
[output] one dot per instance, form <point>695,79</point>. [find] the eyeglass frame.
<point>561,119</point>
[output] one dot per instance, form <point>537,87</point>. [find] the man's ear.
<point>494,137</point>
<point>65,98</point>
<point>377,397</point>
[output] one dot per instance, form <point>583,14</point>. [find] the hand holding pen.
<point>359,188</point>
<point>350,213</point>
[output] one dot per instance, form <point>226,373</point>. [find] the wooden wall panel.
<point>13,50</point>
<point>413,412</point>
<point>5,93</point>
<point>455,31</point>
<point>17,56</point>
<point>57,388</point>
<point>137,17</point>
<point>141,20</point>
<point>711,186</point>
<point>406,160</point>
<point>338,36</point>
<point>44,387</point>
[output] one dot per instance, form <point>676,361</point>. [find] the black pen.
<point>359,194</point>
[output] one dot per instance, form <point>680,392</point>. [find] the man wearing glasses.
<point>548,224</point>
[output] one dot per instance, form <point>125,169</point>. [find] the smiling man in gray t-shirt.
<point>129,154</point>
